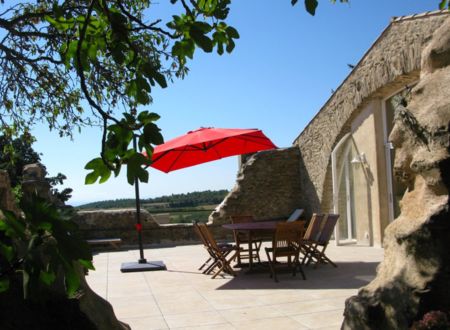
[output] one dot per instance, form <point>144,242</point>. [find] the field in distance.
<point>176,208</point>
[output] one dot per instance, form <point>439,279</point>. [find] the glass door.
<point>351,193</point>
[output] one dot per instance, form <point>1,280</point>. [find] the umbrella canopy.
<point>208,144</point>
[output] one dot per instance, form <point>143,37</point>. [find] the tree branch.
<point>142,25</point>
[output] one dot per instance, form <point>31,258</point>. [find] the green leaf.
<point>147,117</point>
<point>99,170</point>
<point>134,168</point>
<point>47,277</point>
<point>311,6</point>
<point>118,54</point>
<point>12,226</point>
<point>91,178</point>
<point>152,72</point>
<point>230,46</point>
<point>201,40</point>
<point>92,51</point>
<point>184,48</point>
<point>142,97</point>
<point>72,281</point>
<point>202,26</point>
<point>152,134</point>
<point>232,32</point>
<point>4,284</point>
<point>6,251</point>
<point>87,264</point>
<point>207,6</point>
<point>443,4</point>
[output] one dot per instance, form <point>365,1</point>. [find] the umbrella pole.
<point>142,265</point>
<point>142,260</point>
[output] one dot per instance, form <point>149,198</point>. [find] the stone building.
<point>343,160</point>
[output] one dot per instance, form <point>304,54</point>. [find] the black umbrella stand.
<point>142,265</point>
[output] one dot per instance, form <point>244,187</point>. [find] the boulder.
<point>414,277</point>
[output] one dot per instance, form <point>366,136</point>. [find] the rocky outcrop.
<point>414,277</point>
<point>268,186</point>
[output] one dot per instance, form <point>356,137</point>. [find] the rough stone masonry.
<point>414,277</point>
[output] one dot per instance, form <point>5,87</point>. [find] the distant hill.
<point>196,198</point>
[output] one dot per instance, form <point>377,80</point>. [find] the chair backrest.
<point>295,215</point>
<point>288,235</point>
<point>313,231</point>
<point>241,218</point>
<point>199,234</point>
<point>210,241</point>
<point>327,229</point>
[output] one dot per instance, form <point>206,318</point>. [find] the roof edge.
<point>394,20</point>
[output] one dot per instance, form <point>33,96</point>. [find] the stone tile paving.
<point>183,298</point>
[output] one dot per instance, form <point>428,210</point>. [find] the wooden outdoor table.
<point>253,227</point>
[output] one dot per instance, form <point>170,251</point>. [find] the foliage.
<point>56,57</point>
<point>63,195</point>
<point>174,200</point>
<point>15,154</point>
<point>57,53</point>
<point>190,216</point>
<point>39,246</point>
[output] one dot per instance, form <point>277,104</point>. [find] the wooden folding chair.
<point>287,243</point>
<point>209,263</point>
<point>222,256</point>
<point>318,247</point>
<point>311,235</point>
<point>243,238</point>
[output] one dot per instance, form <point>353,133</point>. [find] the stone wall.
<point>391,63</point>
<point>268,186</point>
<point>121,224</point>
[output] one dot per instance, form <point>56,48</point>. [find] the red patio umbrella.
<point>208,144</point>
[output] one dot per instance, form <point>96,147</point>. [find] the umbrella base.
<point>147,266</point>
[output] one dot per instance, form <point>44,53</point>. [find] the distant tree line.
<point>175,200</point>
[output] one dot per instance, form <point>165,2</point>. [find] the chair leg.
<point>225,265</point>
<point>321,257</point>
<point>313,251</point>
<point>205,263</point>
<point>300,269</point>
<point>306,253</point>
<point>272,267</point>
<point>238,253</point>
<point>257,248</point>
<point>210,267</point>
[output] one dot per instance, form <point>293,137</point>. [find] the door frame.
<point>336,183</point>
<point>387,153</point>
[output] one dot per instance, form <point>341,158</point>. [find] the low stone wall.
<point>122,224</point>
<point>268,186</point>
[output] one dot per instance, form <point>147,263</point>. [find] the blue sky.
<point>282,71</point>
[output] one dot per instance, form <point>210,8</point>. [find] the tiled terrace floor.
<point>183,298</point>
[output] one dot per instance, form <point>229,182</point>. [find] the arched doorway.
<point>351,193</point>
